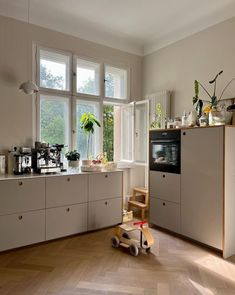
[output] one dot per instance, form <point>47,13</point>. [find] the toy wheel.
<point>134,250</point>
<point>126,236</point>
<point>115,242</point>
<point>147,249</point>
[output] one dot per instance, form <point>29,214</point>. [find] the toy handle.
<point>141,223</point>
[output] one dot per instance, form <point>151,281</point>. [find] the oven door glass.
<point>165,156</point>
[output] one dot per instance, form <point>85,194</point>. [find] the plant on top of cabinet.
<point>158,117</point>
<point>88,122</point>
<point>73,157</point>
<point>213,107</point>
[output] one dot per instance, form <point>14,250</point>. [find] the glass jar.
<point>216,117</point>
<point>203,120</point>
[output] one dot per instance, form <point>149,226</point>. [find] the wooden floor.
<point>87,264</point>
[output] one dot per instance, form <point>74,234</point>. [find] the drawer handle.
<point>68,179</point>
<point>164,204</point>
<point>163,175</point>
<point>106,203</point>
<point>106,175</point>
<point>68,209</point>
<point>20,217</point>
<point>20,183</point>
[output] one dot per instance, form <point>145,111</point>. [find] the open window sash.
<point>134,132</point>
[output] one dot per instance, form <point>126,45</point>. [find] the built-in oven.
<point>164,151</point>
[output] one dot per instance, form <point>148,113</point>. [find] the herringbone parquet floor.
<point>87,264</point>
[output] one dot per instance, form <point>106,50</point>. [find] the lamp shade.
<point>29,87</point>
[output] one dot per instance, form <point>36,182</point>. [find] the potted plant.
<point>216,115</point>
<point>73,157</point>
<point>88,122</point>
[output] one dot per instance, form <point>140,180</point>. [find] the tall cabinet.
<point>199,203</point>
<point>202,153</point>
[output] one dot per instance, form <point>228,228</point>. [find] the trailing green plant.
<point>88,122</point>
<point>72,155</point>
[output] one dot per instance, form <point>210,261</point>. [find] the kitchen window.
<point>71,85</point>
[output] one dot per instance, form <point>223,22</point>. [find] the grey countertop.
<point>67,173</point>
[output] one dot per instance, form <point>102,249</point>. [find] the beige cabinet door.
<point>105,185</point>
<point>64,221</point>
<point>104,213</point>
<point>165,186</point>
<point>165,214</point>
<point>66,190</point>
<point>202,185</point>
<point>21,195</point>
<point>22,229</point>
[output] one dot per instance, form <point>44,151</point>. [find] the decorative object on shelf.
<point>192,118</point>
<point>184,120</point>
<point>29,87</point>
<point>73,157</point>
<point>217,112</point>
<point>88,122</point>
<point>156,124</point>
<point>203,120</point>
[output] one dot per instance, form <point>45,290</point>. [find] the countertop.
<point>67,173</point>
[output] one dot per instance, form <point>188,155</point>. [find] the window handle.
<point>105,80</point>
<point>74,74</point>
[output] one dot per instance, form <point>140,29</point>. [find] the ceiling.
<point>136,26</point>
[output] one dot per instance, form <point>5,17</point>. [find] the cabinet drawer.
<point>104,213</point>
<point>66,190</point>
<point>21,195</point>
<point>64,221</point>
<point>165,214</point>
<point>165,186</point>
<point>105,185</point>
<point>22,229</point>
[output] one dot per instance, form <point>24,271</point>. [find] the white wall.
<point>200,57</point>
<point>16,39</point>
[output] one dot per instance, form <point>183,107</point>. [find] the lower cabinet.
<point>67,220</point>
<point>165,214</point>
<point>22,229</point>
<point>104,213</point>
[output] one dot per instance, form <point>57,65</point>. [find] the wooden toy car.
<point>122,238</point>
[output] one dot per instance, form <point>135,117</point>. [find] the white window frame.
<point>99,142</point>
<point>74,69</point>
<point>38,102</point>
<point>50,90</point>
<point>128,92</point>
<point>72,93</point>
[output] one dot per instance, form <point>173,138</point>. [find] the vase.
<point>216,117</point>
<point>74,164</point>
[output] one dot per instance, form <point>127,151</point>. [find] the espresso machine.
<point>46,159</point>
<point>21,161</point>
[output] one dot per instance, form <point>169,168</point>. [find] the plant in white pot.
<point>73,157</point>
<point>88,122</point>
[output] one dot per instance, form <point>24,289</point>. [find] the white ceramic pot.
<point>74,164</point>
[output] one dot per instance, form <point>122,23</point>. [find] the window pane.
<point>108,131</point>
<point>54,119</point>
<point>115,83</point>
<point>88,77</point>
<point>82,138</point>
<point>54,70</point>
<point>127,133</point>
